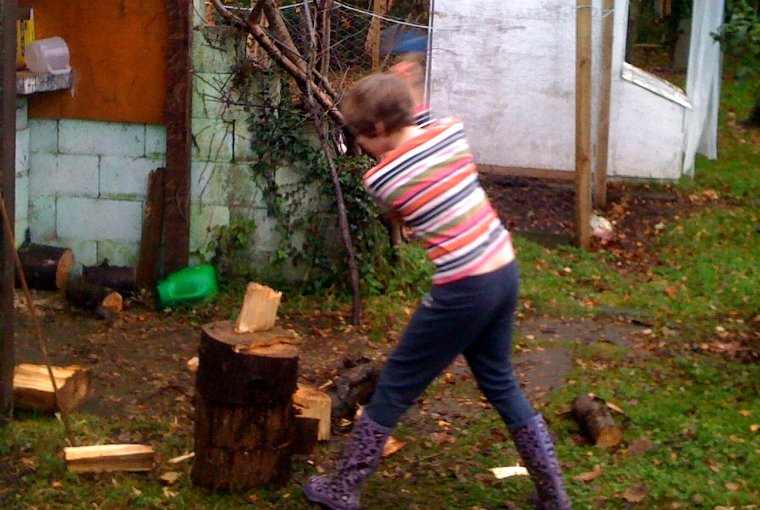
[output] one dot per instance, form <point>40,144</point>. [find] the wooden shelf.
<point>28,82</point>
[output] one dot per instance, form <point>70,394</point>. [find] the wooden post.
<point>583,124</point>
<point>8,176</point>
<point>379,8</point>
<point>603,136</point>
<point>178,136</point>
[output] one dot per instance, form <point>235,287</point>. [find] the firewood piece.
<point>45,267</point>
<point>118,278</point>
<point>94,297</point>
<point>259,311</point>
<point>110,457</point>
<point>354,387</point>
<point>146,274</point>
<point>33,390</point>
<point>246,368</point>
<point>305,435</point>
<point>595,421</point>
<point>313,403</point>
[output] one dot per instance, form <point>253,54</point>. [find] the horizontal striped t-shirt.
<point>432,182</point>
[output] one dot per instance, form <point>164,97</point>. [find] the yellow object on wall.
<point>24,34</point>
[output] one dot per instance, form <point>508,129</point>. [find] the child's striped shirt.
<point>433,183</point>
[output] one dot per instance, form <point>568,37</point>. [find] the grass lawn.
<point>691,404</point>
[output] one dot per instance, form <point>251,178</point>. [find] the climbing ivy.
<point>282,139</point>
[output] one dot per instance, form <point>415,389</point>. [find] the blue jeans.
<point>473,316</point>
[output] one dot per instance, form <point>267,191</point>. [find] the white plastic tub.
<point>48,56</point>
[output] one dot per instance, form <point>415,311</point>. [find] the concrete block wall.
<point>87,183</point>
<point>224,186</point>
<point>82,184</point>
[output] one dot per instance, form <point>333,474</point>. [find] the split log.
<point>111,457</point>
<point>313,403</point>
<point>118,278</point>
<point>354,387</point>
<point>45,267</point>
<point>33,390</point>
<point>596,422</point>
<point>305,435</point>
<point>102,300</point>
<point>259,311</point>
<point>244,417</point>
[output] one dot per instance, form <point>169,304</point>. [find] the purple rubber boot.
<point>534,443</point>
<point>341,490</point>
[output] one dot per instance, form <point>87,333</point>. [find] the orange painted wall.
<point>117,57</point>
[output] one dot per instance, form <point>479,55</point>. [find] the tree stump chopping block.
<point>244,417</point>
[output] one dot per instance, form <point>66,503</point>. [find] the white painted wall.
<point>509,73</point>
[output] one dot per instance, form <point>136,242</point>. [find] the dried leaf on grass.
<point>590,475</point>
<point>636,494</point>
<point>392,446</point>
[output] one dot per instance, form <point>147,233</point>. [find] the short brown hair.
<point>379,98</point>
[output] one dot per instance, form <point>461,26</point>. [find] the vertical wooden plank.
<point>178,137</point>
<point>8,176</point>
<point>603,136</point>
<point>150,244</point>
<point>583,124</point>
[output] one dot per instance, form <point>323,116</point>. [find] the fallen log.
<point>596,422</point>
<point>45,267</point>
<point>33,390</point>
<point>313,403</point>
<point>111,457</point>
<point>118,278</point>
<point>259,311</point>
<point>89,296</point>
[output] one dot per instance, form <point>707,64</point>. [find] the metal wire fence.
<point>354,37</point>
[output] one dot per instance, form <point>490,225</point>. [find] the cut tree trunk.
<point>101,300</point>
<point>33,390</point>
<point>259,311</point>
<point>596,422</point>
<point>245,419</point>
<point>45,267</point>
<point>313,403</point>
<point>118,278</point>
<point>110,457</point>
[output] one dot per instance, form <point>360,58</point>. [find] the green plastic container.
<point>187,285</point>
